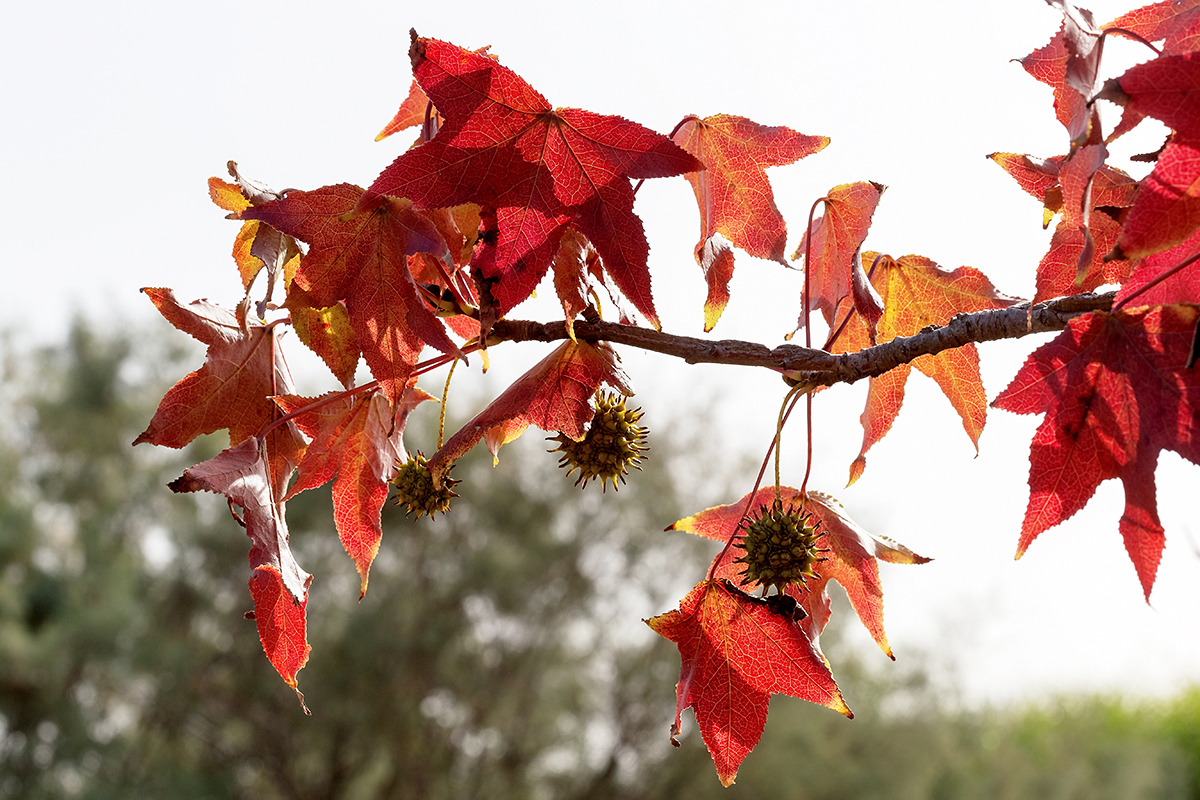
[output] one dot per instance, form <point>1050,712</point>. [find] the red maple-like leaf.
<point>243,368</point>
<point>554,395</point>
<point>831,259</point>
<point>356,443</point>
<point>279,586</point>
<point>412,111</point>
<point>1049,65</point>
<point>1088,194</point>
<point>917,293</point>
<point>736,652</point>
<point>1147,286</point>
<point>1167,208</point>
<point>540,168</point>
<point>734,194</point>
<point>851,560</point>
<point>361,257</point>
<point>1175,21</point>
<point>1116,390</point>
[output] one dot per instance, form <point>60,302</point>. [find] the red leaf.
<point>851,561</point>
<point>1176,21</point>
<point>358,441</point>
<point>1182,287</point>
<point>736,652</point>
<point>362,258</point>
<point>411,112</point>
<point>1077,186</point>
<point>282,625</point>
<point>555,395</point>
<point>1166,210</point>
<point>1049,65</point>
<point>244,366</point>
<point>734,194</point>
<point>503,146</point>
<point>1168,89</point>
<point>1116,390</point>
<point>916,293</point>
<point>279,585</point>
<point>836,238</point>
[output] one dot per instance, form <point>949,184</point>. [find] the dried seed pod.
<point>612,444</point>
<point>415,489</point>
<point>780,547</point>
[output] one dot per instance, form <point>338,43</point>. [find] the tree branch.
<point>817,367</point>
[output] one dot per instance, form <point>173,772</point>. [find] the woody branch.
<point>818,367</point>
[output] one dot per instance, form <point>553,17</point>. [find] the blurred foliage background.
<point>498,653</point>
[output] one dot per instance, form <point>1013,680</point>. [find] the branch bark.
<point>818,367</point>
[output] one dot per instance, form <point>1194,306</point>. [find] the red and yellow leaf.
<point>554,395</point>
<point>734,195</point>
<point>1116,389</point>
<point>918,293</point>
<point>540,168</point>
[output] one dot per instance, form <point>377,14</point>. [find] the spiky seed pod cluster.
<point>415,489</point>
<point>613,443</point>
<point>780,547</point>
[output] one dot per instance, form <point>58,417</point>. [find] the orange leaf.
<point>836,236</point>
<point>917,293</point>
<point>734,194</point>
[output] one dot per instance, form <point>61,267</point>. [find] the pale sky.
<point>115,115</point>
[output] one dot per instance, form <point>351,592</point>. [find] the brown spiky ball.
<point>415,489</point>
<point>780,545</point>
<point>613,443</point>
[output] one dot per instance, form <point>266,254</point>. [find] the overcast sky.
<point>115,115</point>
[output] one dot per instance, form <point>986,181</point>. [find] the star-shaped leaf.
<point>917,293</point>
<point>1116,389</point>
<point>361,258</point>
<point>851,560</point>
<point>243,368</point>
<point>540,168</point>
<point>736,652</point>
<point>733,192</point>
<point>356,443</point>
<point>554,395</point>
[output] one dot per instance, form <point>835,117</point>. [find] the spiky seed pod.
<point>780,547</point>
<point>414,488</point>
<point>612,444</point>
